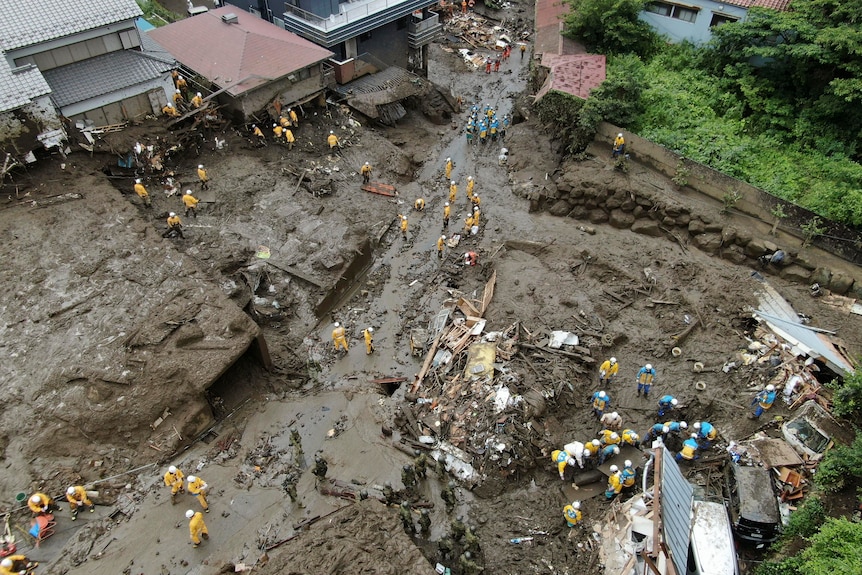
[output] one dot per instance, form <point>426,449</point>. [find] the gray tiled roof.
<point>19,87</point>
<point>28,22</point>
<point>102,75</point>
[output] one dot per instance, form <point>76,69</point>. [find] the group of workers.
<point>189,202</point>
<point>178,483</point>
<point>608,371</point>
<point>484,125</point>
<point>180,101</point>
<point>339,338</point>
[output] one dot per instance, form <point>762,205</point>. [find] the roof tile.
<point>18,87</point>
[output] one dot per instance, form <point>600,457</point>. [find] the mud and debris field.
<point>127,351</point>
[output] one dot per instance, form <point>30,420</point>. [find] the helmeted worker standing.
<point>449,166</point>
<point>689,449</point>
<point>368,334</point>
<point>447,211</point>
<point>339,337</point>
<point>619,145</point>
<point>611,420</point>
<point>199,487</point>
<point>175,226</point>
<point>471,183</point>
<point>476,215</point>
<point>289,138</point>
<point>203,177</point>
<point>453,191</point>
<point>293,117</point>
<point>628,474</point>
<point>608,370</point>
<point>404,226</point>
<point>645,379</point>
<point>261,139</point>
<point>278,132</point>
<point>365,170</point>
<point>142,193</point>
<point>600,400</point>
<point>666,403</point>
<point>332,140</point>
<point>197,101</point>
<point>174,478</point>
<point>76,495</point>
<point>441,244</point>
<point>191,204</point>
<point>572,513</point>
<point>764,400</point>
<point>615,484</point>
<point>197,527</point>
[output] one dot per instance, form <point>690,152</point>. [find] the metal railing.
<point>349,12</point>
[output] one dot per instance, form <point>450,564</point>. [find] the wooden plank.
<point>488,293</point>
<point>380,189</point>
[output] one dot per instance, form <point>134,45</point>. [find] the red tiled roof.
<point>780,5</point>
<point>575,75</point>
<point>225,53</point>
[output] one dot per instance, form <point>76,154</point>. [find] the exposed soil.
<point>100,259</point>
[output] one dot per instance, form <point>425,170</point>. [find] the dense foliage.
<point>836,548</point>
<point>840,467</point>
<point>774,101</point>
<point>848,397</point>
<point>610,26</point>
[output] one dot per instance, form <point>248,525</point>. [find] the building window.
<point>719,19</point>
<point>364,37</point>
<point>684,13</point>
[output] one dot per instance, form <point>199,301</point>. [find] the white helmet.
<point>35,499</point>
<point>693,436</point>
<point>616,450</point>
<point>137,180</point>
<point>366,163</point>
<point>620,135</point>
<point>337,324</point>
<point>475,208</point>
<point>602,394</point>
<point>172,214</point>
<point>442,237</point>
<point>170,105</point>
<point>172,469</point>
<point>770,387</point>
<point>696,425</point>
<point>614,469</point>
<point>370,330</point>
<point>446,204</point>
<point>571,461</point>
<point>188,192</point>
<point>448,159</point>
<point>648,366</point>
<point>576,504</point>
<point>6,563</point>
<point>683,425</point>
<point>614,435</point>
<point>200,166</point>
<point>665,429</point>
<point>674,401</point>
<point>614,415</point>
<point>596,442</point>
<point>198,95</point>
<point>469,177</point>
<point>190,514</point>
<point>331,132</point>
<point>274,125</point>
<point>177,91</point>
<point>613,360</point>
<point>289,109</point>
<point>453,182</point>
<point>628,463</point>
<point>70,491</point>
<point>192,478</point>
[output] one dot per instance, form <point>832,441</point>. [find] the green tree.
<point>836,548</point>
<point>618,99</point>
<point>611,27</point>
<point>840,466</point>
<point>848,397</point>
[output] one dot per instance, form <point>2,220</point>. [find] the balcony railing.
<point>349,12</point>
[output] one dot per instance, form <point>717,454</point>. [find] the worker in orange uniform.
<point>182,85</point>
<point>41,504</point>
<point>199,487</point>
<point>332,139</point>
<point>175,478</point>
<point>179,101</point>
<point>453,191</point>
<point>419,205</point>
<point>278,132</point>
<point>471,258</point>
<point>197,101</point>
<point>523,49</point>
<point>449,166</point>
<point>339,337</point>
<point>463,6</point>
<point>468,224</point>
<point>257,133</point>
<point>170,111</point>
<point>475,200</point>
<point>203,177</point>
<point>476,214</point>
<point>288,137</point>
<point>294,119</point>
<point>365,170</point>
<point>441,243</point>
<point>197,527</point>
<point>191,204</point>
<point>76,495</point>
<point>142,193</point>
<point>446,213</point>
<point>404,227</point>
<point>17,565</point>
<point>175,226</point>
<point>471,183</point>
<point>368,334</point>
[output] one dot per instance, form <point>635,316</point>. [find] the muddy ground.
<point>552,273</point>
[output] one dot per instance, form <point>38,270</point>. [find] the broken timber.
<point>295,273</point>
<point>380,189</point>
<point>577,356</point>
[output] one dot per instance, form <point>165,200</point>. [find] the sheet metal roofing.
<point>102,75</point>
<point>18,87</point>
<point>226,53</point>
<point>25,23</point>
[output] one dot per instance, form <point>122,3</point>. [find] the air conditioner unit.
<point>291,77</point>
<point>230,18</point>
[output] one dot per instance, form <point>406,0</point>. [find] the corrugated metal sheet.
<point>676,498</point>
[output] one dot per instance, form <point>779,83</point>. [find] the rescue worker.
<point>562,459</point>
<point>368,334</point>
<point>608,371</point>
<point>607,452</point>
<point>600,401</point>
<point>630,437</point>
<point>408,477</point>
<point>203,177</point>
<point>339,337</point>
<point>261,139</point>
<point>41,504</point>
<point>467,565</point>
<point>197,101</point>
<point>471,183</point>
<point>488,65</point>
<point>764,400</point>
<point>321,467</point>
<point>628,474</point>
<point>706,432</point>
<point>404,227</point>
<point>389,494</point>
<point>294,119</point>
<point>483,132</point>
<point>296,444</point>
<point>179,102</point>
<point>365,170</point>
<point>76,495</point>
<point>142,193</point>
<point>420,464</point>
<point>197,527</point>
<point>572,513</point>
<point>174,478</point>
<point>457,529</point>
<point>575,449</point>
<point>497,64</point>
<point>182,85</point>
<point>492,129</point>
<point>592,448</point>
<point>191,204</point>
<point>666,403</point>
<point>449,166</point>
<point>175,226</point>
<point>406,518</point>
<point>447,494</point>
<point>645,379</point>
<point>619,145</point>
<point>17,565</point>
<point>475,200</point>
<point>199,487</point>
<point>615,484</point>
<point>523,48</point>
<point>476,215</point>
<point>610,437</point>
<point>659,429</point>
<point>504,127</point>
<point>170,111</point>
<point>278,132</point>
<point>419,204</point>
<point>612,421</point>
<point>284,121</point>
<point>425,522</point>
<point>676,426</point>
<point>289,138</point>
<point>446,213</point>
<point>441,243</point>
<point>689,449</point>
<point>453,191</point>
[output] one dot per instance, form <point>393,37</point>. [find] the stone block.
<point>708,242</point>
<point>821,276</point>
<point>628,205</point>
<point>728,235</point>
<point>696,227</point>
<point>597,216</point>
<point>647,228</point>
<point>559,208</point>
<point>621,219</point>
<point>796,273</point>
<point>840,283</point>
<point>734,254</point>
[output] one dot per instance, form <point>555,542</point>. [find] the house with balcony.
<point>90,56</point>
<point>246,60</point>
<point>385,32</point>
<point>693,20</point>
